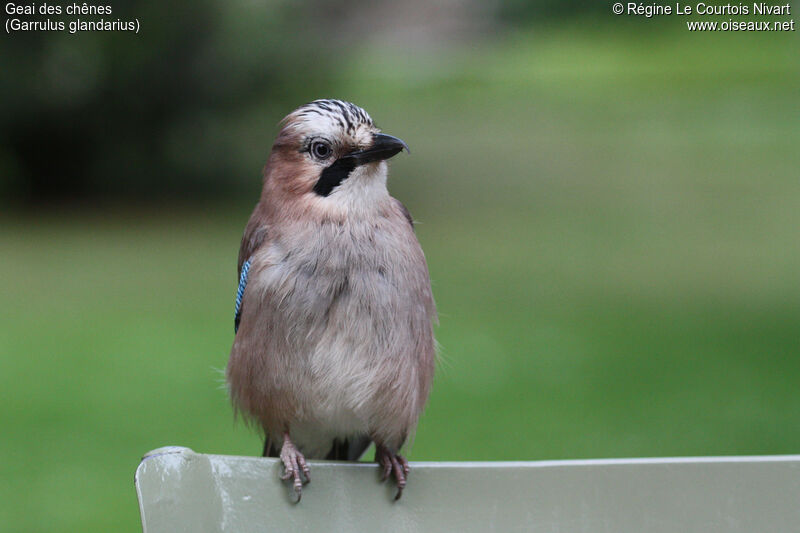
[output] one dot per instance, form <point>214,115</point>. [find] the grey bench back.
<point>180,490</point>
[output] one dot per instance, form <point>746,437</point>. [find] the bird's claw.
<point>393,464</point>
<point>293,464</point>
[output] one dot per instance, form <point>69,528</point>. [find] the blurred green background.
<point>610,208</point>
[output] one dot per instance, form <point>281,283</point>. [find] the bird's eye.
<point>320,150</point>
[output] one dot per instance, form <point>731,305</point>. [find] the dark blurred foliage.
<point>174,111</point>
<point>118,114</point>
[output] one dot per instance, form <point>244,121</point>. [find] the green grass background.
<point>611,221</point>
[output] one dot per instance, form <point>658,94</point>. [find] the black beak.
<point>383,147</point>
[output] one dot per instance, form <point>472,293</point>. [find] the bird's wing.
<point>255,234</point>
<point>406,213</point>
<point>237,312</point>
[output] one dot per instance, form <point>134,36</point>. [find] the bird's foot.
<point>294,463</point>
<point>393,464</point>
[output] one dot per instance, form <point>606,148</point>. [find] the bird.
<point>334,343</point>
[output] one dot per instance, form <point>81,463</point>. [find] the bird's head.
<point>329,153</point>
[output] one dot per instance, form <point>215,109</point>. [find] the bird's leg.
<point>392,464</point>
<point>293,464</point>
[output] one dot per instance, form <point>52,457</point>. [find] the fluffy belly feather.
<point>340,326</point>
<point>350,362</point>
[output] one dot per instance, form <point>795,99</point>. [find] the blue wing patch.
<point>239,294</point>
